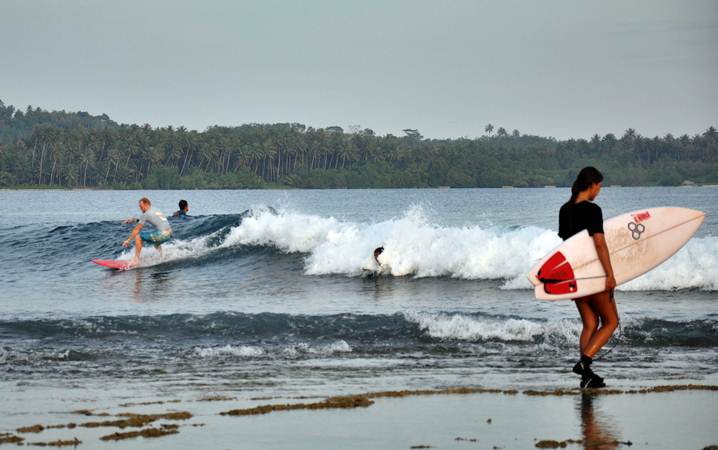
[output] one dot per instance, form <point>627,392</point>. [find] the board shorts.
<point>155,237</point>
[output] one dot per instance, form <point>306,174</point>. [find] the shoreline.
<point>291,188</point>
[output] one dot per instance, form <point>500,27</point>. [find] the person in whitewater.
<point>598,311</point>
<point>183,211</point>
<point>161,234</point>
<point>373,267</point>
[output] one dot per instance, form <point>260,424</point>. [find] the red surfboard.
<point>116,264</point>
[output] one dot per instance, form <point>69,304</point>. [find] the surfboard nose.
<point>687,212</point>
<point>692,218</point>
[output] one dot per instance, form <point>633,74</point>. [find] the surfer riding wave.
<point>161,234</point>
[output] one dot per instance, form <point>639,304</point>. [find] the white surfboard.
<point>637,242</point>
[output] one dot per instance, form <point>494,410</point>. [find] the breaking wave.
<point>414,246</point>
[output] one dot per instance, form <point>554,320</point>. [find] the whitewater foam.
<point>695,266</point>
<point>469,328</point>
<point>243,351</point>
<point>289,350</point>
<point>414,246</point>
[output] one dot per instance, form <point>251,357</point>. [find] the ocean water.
<point>261,293</point>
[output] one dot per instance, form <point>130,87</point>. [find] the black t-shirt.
<point>578,217</point>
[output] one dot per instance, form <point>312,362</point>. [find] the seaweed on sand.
<point>145,433</point>
<point>352,401</point>
<point>11,439</point>
<point>138,420</point>
<point>31,429</point>
<point>216,398</point>
<point>59,443</point>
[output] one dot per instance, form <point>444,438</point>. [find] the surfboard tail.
<point>116,264</point>
<point>557,275</point>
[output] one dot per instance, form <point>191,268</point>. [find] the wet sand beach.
<point>660,417</point>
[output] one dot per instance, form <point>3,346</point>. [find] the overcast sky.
<point>555,68</point>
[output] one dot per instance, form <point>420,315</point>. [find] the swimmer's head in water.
<point>183,205</point>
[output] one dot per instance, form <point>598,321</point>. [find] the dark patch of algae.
<point>550,443</point>
<point>589,443</point>
<point>360,400</point>
<point>217,398</point>
<point>300,397</point>
<point>158,402</point>
<point>59,443</point>
<point>64,425</point>
<point>365,400</point>
<point>90,412</point>
<point>163,430</point>
<point>39,428</point>
<point>137,420</point>
<point>31,429</point>
<point>8,438</point>
<point>446,391</point>
<point>128,420</point>
<point>650,390</point>
<point>352,401</point>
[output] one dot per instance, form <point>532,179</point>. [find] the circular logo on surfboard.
<point>636,229</point>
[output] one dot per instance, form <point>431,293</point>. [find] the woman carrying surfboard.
<point>598,311</point>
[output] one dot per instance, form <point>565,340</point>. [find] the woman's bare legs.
<point>592,308</point>
<point>589,319</point>
<point>604,305</point>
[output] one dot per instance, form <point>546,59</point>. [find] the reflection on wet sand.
<point>597,432</point>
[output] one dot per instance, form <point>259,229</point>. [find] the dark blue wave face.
<point>47,264</point>
<point>48,245</point>
<point>359,329</point>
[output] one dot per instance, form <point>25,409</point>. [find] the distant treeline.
<point>78,150</point>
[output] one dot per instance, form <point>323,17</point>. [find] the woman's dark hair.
<point>584,180</point>
<point>182,205</point>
